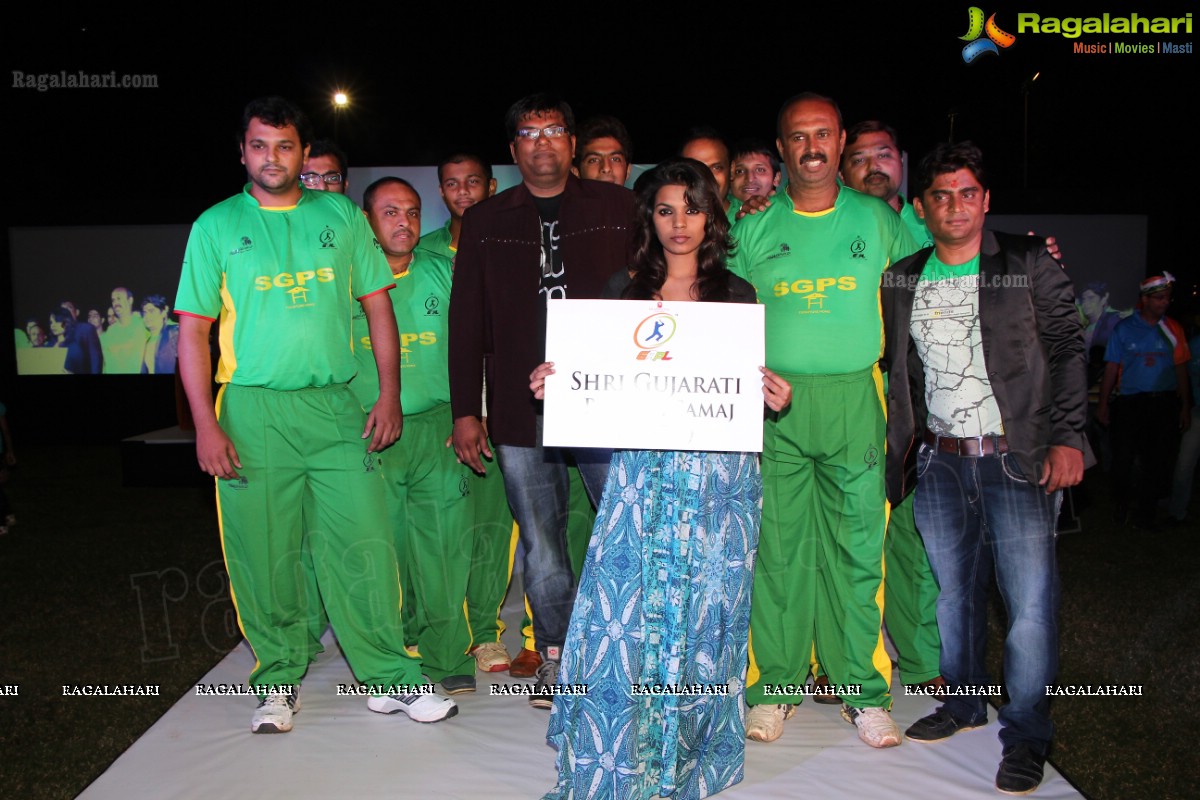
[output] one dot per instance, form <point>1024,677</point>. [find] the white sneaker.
<point>274,713</point>
<point>764,723</point>
<point>875,725</point>
<point>491,657</point>
<point>419,707</point>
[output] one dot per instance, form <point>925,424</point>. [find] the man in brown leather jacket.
<point>551,236</point>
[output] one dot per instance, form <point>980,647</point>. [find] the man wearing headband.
<point>1146,357</point>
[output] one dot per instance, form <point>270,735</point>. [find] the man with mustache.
<point>122,342</point>
<point>872,164</point>
<point>431,497</point>
<point>816,256</point>
<point>294,456</point>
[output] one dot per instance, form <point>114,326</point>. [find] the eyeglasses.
<point>532,134</point>
<point>314,179</point>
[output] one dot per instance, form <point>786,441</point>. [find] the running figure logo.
<point>655,330</point>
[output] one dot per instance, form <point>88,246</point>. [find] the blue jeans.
<point>536,481</point>
<point>979,516</point>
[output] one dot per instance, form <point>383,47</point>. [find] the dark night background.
<point>1107,133</point>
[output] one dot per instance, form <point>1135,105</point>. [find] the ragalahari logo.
<point>976,28</point>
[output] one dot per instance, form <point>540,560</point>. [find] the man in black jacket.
<point>551,236</point>
<point>987,377</point>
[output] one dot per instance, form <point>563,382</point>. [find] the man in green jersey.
<point>124,340</point>
<point>872,164</point>
<point>754,170</point>
<point>816,256</point>
<point>430,495</point>
<point>464,179</point>
<point>294,456</point>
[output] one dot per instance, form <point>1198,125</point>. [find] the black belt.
<point>971,447</point>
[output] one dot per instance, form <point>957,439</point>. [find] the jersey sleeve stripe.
<point>387,288</point>
<point>197,316</point>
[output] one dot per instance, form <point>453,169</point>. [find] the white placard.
<point>654,375</point>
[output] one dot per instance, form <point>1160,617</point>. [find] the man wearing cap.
<point>1146,357</point>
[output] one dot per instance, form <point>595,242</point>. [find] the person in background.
<point>35,333</point>
<point>162,337</point>
<point>325,168</point>
<point>124,339</point>
<point>604,151</point>
<point>84,355</point>
<point>754,170</point>
<point>1147,356</point>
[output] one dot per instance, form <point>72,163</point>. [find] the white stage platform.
<point>495,749</point>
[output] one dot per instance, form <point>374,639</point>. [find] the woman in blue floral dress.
<point>664,599</point>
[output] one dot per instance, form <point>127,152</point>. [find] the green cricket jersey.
<point>915,225</point>
<point>437,242</point>
<point>282,281</point>
<point>422,302</point>
<point>735,206</point>
<point>818,276</point>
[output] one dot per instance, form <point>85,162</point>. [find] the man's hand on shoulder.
<point>1063,468</point>
<point>754,204</point>
<point>1052,249</point>
<point>470,440</point>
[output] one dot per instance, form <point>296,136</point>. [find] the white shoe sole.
<point>432,713</point>
<point>271,727</point>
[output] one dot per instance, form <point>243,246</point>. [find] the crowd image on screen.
<point>132,335</point>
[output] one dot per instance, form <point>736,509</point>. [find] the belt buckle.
<point>978,446</point>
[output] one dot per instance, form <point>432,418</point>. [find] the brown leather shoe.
<point>822,684</point>
<point>526,664</point>
<point>934,686</point>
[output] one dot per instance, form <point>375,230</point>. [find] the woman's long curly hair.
<point>649,265</point>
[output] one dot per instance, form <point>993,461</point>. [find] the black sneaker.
<point>1020,770</point>
<point>458,684</point>
<point>547,676</point>
<point>938,726</point>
